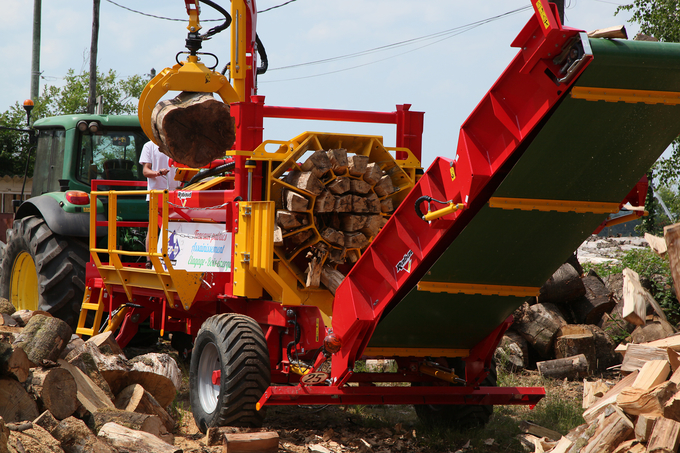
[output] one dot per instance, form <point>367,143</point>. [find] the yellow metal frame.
<point>484,290</point>
<point>624,95</point>
<point>531,204</point>
<point>172,281</point>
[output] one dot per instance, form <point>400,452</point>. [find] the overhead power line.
<point>184,20</point>
<point>444,35</point>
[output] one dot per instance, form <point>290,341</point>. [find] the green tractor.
<point>42,266</point>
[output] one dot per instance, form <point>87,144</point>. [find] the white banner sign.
<point>198,247</point>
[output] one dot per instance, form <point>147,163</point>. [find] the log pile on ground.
<point>571,329</point>
<point>641,413</point>
<point>60,393</point>
<point>343,197</point>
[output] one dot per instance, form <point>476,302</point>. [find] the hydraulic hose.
<point>211,172</point>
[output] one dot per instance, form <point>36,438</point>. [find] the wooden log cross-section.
<point>193,128</point>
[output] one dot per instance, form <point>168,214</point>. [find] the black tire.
<point>235,345</point>
<point>59,263</point>
<point>459,416</point>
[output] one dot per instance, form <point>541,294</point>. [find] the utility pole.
<point>560,8</point>
<point>93,57</point>
<point>35,57</point>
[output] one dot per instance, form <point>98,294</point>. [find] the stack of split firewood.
<point>346,198</point>
<point>641,413</point>
<point>60,393</point>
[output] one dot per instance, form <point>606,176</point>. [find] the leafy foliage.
<point>120,98</point>
<point>658,18</point>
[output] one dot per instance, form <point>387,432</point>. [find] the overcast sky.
<point>445,78</point>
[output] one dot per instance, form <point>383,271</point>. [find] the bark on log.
<point>665,437</point>
<point>597,301</point>
<point>539,326</point>
<point>134,441</point>
<point>140,422</point>
<point>355,240</point>
<point>373,203</point>
<point>605,354</point>
<point>343,203</point>
<point>46,421</point>
<point>333,236</point>
<point>570,367</point>
<point>157,380</point>
<point>134,398</point>
<point>305,180</point>
<point>55,390</point>
<point>384,187</point>
<point>160,365</point>
<point>352,222</point>
<point>318,163</point>
<point>295,202</point>
<point>657,329</point>
<point>44,338</point>
<point>563,286</point>
<point>338,158</point>
<point>33,440</point>
<point>573,345</point>
<point>75,437</point>
<point>331,278</point>
<point>106,342</point>
<point>14,362</point>
<point>289,220</point>
<point>6,307</point>
<point>359,204</point>
<point>386,205</point>
<point>373,173</point>
<point>89,394</point>
<point>193,128</point>
<point>359,187</point>
<point>358,164</point>
<point>513,351</point>
<point>339,186</point>
<point>324,202</point>
<point>16,405</point>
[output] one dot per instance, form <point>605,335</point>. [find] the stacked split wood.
<point>332,207</point>
<point>76,395</point>
<point>641,413</point>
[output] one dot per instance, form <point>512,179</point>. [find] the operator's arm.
<point>149,173</point>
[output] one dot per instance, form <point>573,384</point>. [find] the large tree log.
<point>44,338</point>
<point>572,345</point>
<point>33,440</point>
<point>193,128</point>
<point>157,373</point>
<point>134,420</point>
<point>598,300</point>
<point>538,326</point>
<point>14,362</point>
<point>89,394</point>
<point>55,390</point>
<point>605,354</point>
<point>16,405</point>
<point>570,367</point>
<point>564,285</point>
<point>75,437</point>
<point>134,398</point>
<point>134,441</point>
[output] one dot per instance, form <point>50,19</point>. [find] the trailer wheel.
<point>460,416</point>
<point>235,345</point>
<point>41,270</point>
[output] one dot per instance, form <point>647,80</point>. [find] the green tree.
<point>120,98</point>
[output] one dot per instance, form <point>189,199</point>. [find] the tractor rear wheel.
<point>41,270</point>
<point>235,346</point>
<point>459,416</point>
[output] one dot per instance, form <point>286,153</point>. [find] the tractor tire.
<point>459,416</point>
<point>235,345</point>
<point>41,270</point>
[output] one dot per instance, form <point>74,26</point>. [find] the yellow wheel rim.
<point>24,286</point>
